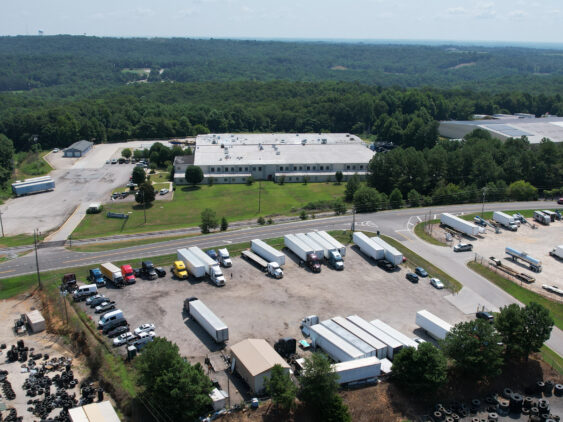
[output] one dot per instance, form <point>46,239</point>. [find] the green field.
<point>414,260</point>
<point>27,165</point>
<point>19,240</point>
<point>520,293</point>
<point>235,202</point>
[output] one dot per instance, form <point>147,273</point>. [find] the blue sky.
<point>495,20</point>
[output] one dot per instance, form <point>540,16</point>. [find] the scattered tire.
<point>540,385</point>
<point>527,404</point>
<point>548,389</point>
<point>558,390</point>
<point>437,415</point>
<point>516,403</point>
<point>506,393</point>
<point>493,416</point>
<point>534,411</point>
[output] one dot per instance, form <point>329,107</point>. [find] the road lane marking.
<point>8,271</point>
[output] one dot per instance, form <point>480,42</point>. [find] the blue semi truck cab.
<point>95,276</point>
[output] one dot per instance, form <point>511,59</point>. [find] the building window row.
<point>232,169</point>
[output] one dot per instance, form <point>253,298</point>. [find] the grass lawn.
<point>520,293</point>
<point>235,202</point>
<point>19,240</point>
<point>27,165</point>
<point>414,260</point>
<point>419,231</point>
<point>160,177</point>
<point>552,359</point>
<point>110,246</point>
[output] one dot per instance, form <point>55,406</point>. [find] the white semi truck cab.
<point>274,270</point>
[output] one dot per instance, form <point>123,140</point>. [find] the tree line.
<point>406,117</point>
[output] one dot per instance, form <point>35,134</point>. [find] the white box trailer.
<point>542,217</point>
<point>335,243</point>
<point>434,326</point>
<point>557,251</point>
<point>331,254</point>
<point>334,346</point>
<point>393,346</point>
<point>193,264</point>
<point>208,321</point>
<point>368,246</point>
<point>267,252</point>
<point>341,332</point>
<point>505,220</point>
<point>378,345</point>
<point>396,334</point>
<point>357,371</point>
<point>297,246</point>
<point>212,267</point>
<point>458,224</point>
<point>313,245</point>
<point>391,254</point>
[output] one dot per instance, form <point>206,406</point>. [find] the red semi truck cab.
<point>128,274</point>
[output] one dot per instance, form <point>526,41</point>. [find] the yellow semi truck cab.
<point>179,270</point>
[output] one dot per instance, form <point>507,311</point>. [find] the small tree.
<point>319,390</point>
<point>305,180</point>
<point>396,198</point>
<point>249,181</point>
<point>522,191</point>
<point>339,177</point>
<point>270,221</point>
<point>414,198</point>
<point>210,181</point>
<point>420,370</point>
<point>282,179</point>
<point>224,224</point>
<point>126,153</point>
<point>280,387</point>
<point>339,207</point>
<point>208,220</point>
<point>303,215</point>
<point>474,348</point>
<point>351,187</point>
<point>145,194</point>
<point>261,221</point>
<point>138,175</point>
<point>138,154</point>
<point>194,175</point>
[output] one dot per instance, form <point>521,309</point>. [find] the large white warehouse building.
<point>232,158</point>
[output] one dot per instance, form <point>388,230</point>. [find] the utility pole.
<point>1,224</point>
<point>259,195</point>
<point>354,219</point>
<point>37,259</point>
<point>144,206</point>
<point>483,207</point>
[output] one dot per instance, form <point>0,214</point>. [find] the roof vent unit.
<point>214,141</point>
<point>323,141</point>
<point>222,145</point>
<point>277,153</point>
<point>304,141</point>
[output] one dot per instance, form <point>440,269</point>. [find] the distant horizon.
<point>374,41</point>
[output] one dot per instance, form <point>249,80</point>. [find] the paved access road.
<point>396,223</point>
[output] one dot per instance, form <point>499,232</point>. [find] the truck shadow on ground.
<point>201,334</point>
<point>368,259</point>
<point>518,263</point>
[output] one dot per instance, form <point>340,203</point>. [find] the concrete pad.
<point>468,302</point>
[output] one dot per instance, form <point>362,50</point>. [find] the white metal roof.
<point>257,356</point>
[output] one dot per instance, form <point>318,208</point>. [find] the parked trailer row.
<point>393,346</point>
<point>346,335</point>
<point>335,243</point>
<point>210,322</point>
<point>212,268</point>
<point>193,264</point>
<point>459,224</point>
<point>330,253</point>
<point>112,273</point>
<point>434,326</point>
<point>396,334</point>
<point>378,345</point>
<point>535,264</point>
<point>267,252</point>
<point>272,268</point>
<point>34,185</point>
<point>505,220</point>
<point>334,346</point>
<point>391,254</point>
<point>359,370</point>
<point>368,246</point>
<point>303,251</point>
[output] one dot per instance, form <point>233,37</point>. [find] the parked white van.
<point>85,291</point>
<point>143,339</point>
<point>112,320</point>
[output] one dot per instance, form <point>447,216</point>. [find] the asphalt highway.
<point>395,223</point>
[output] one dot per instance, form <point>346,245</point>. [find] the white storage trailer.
<point>193,264</point>
<point>212,268</point>
<point>267,252</point>
<point>208,321</point>
<point>393,346</point>
<point>331,254</point>
<point>368,246</point>
<point>396,334</point>
<point>505,220</point>
<point>557,251</point>
<point>378,345</point>
<point>334,346</point>
<point>542,217</point>
<point>346,335</point>
<point>552,215</point>
<point>297,246</point>
<point>359,370</point>
<point>335,243</point>
<point>391,254</point>
<point>313,245</point>
<point>459,224</point>
<point>434,326</point>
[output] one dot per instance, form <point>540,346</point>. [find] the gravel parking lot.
<point>535,242</point>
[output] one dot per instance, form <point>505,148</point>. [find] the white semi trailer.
<point>505,220</point>
<point>195,267</point>
<point>557,252</point>
<point>358,371</point>
<point>335,243</point>
<point>212,268</point>
<point>368,246</point>
<point>303,251</point>
<point>378,345</point>
<point>393,346</point>
<point>267,252</point>
<point>358,343</point>
<point>331,254</point>
<point>391,254</point>
<point>460,225</point>
<point>434,326</point>
<point>208,321</point>
<point>334,346</point>
<point>396,334</point>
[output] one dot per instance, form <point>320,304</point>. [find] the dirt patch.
<point>461,65</point>
<point>338,68</point>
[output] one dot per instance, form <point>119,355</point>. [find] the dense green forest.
<point>91,62</point>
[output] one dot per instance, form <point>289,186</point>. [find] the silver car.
<point>123,339</point>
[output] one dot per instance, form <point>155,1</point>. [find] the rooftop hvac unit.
<point>323,141</point>
<point>277,153</point>
<point>214,141</point>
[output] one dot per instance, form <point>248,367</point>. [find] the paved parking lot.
<point>535,242</point>
<point>256,306</point>
<point>78,182</point>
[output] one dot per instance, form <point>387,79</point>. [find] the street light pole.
<point>354,219</point>
<point>36,258</point>
<point>144,206</point>
<point>483,207</point>
<point>1,224</point>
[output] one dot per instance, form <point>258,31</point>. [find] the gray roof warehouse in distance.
<point>78,149</point>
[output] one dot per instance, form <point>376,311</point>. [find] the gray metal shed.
<point>78,149</point>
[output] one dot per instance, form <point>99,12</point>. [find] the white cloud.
<point>517,14</point>
<point>485,10</point>
<point>457,11</point>
<point>145,12</point>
